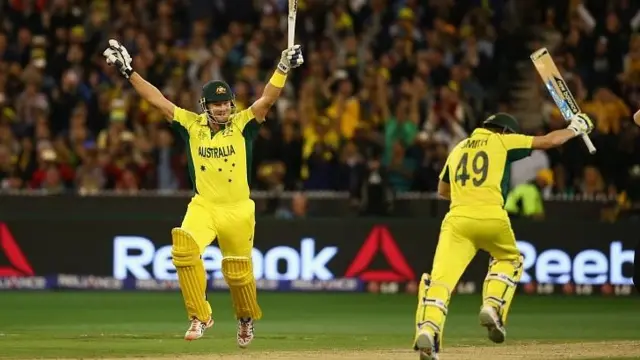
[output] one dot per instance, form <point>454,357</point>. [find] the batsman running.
<point>476,179</point>
<point>220,146</point>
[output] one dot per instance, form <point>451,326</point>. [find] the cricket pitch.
<point>590,350</point>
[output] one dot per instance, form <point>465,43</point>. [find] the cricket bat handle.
<point>292,30</point>
<point>587,141</point>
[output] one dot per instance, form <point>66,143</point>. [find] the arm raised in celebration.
<point>291,58</point>
<point>117,55</point>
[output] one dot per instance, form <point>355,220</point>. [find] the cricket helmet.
<point>502,121</point>
<point>216,91</point>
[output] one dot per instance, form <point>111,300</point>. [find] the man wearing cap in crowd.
<point>526,200</point>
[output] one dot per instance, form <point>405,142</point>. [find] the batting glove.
<point>117,55</point>
<point>291,58</point>
<point>581,124</point>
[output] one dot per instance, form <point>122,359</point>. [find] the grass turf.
<point>110,324</point>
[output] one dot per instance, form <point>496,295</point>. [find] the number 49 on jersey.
<point>479,169</point>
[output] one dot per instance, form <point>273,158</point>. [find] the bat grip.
<point>292,31</point>
<point>587,141</point>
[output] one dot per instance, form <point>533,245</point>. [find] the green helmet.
<point>502,121</point>
<point>216,91</point>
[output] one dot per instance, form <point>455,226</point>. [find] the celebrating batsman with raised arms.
<point>220,146</point>
<point>476,180</point>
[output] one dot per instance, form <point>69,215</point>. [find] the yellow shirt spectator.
<point>608,113</point>
<point>607,109</point>
<point>321,130</point>
<point>350,116</point>
<point>116,127</point>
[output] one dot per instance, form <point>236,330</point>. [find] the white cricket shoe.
<point>490,319</point>
<point>197,329</point>
<point>245,332</point>
<point>426,345</point>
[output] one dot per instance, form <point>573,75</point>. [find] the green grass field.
<point>115,325</point>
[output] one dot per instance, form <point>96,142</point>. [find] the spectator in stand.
<point>90,177</point>
<point>446,118</point>
<point>428,164</point>
<point>526,200</point>
<point>372,191</point>
<point>319,154</point>
<point>51,174</point>
<point>592,184</point>
<point>297,210</point>
<point>389,86</point>
<point>609,109</point>
<point>166,161</point>
<point>401,125</point>
<point>597,58</point>
<point>562,186</point>
<point>400,168</point>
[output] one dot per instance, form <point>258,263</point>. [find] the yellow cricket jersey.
<point>219,162</point>
<point>478,170</point>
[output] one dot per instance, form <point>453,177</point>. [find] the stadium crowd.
<point>388,87</point>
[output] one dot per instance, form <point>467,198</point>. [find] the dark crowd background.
<point>387,89</point>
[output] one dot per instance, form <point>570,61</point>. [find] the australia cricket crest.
<point>227,131</point>
<point>202,134</point>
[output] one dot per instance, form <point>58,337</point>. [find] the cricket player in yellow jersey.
<point>476,179</point>
<point>220,145</point>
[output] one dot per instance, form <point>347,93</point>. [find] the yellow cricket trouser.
<point>460,239</point>
<point>233,227</point>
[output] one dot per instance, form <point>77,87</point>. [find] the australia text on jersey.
<point>216,152</point>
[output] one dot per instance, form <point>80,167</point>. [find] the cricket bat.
<point>293,12</point>
<point>557,87</point>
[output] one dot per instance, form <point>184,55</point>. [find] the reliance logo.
<point>19,265</point>
<point>380,240</point>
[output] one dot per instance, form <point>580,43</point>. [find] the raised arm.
<point>117,55</point>
<point>291,58</point>
<point>580,124</point>
<point>520,146</point>
<point>152,95</point>
<point>553,139</point>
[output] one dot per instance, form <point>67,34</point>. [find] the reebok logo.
<point>19,266</point>
<point>380,240</point>
<point>138,257</point>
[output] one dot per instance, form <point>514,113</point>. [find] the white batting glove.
<point>581,124</point>
<point>117,55</point>
<point>291,58</point>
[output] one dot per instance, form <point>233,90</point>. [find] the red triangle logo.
<point>19,264</point>
<point>380,239</point>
